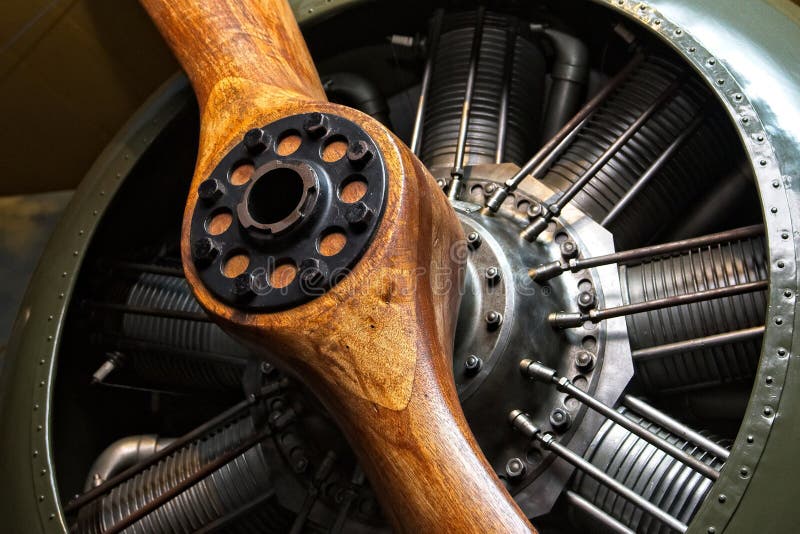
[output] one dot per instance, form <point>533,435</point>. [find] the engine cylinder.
<point>646,469</point>
<point>448,88</point>
<point>236,484</point>
<point>711,267</point>
<point>702,159</point>
<point>166,349</point>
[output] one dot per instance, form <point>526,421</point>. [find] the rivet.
<point>711,530</point>
<point>744,472</point>
<point>692,49</point>
<point>657,22</point>
<point>74,252</point>
<point>781,265</point>
<point>720,81</point>
<point>64,274</point>
<point>35,453</point>
<point>763,163</point>
<point>737,97</point>
<point>41,498</point>
<point>49,317</point>
<point>745,120</point>
<point>712,61</point>
<point>776,184</point>
<point>785,235</point>
<point>781,352</point>
<point>49,338</point>
<point>787,294</point>
<point>61,295</point>
<point>35,407</point>
<point>768,380</point>
<point>760,138</point>
<point>678,31</point>
<point>767,411</point>
<point>51,517</point>
<point>750,438</point>
<point>43,472</point>
<point>39,428</point>
<point>778,321</point>
<point>722,497</point>
<point>41,384</point>
<point>773,209</point>
<point>41,362</point>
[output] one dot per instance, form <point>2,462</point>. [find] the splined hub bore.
<point>288,211</point>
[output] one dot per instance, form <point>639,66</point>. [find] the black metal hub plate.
<point>306,190</point>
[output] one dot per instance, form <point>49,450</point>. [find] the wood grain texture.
<point>377,348</point>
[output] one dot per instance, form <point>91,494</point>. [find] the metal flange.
<point>271,208</point>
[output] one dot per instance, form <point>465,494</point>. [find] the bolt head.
<point>560,419</point>
<point>359,153</point>
<point>315,125</point>
<point>210,190</point>
<point>300,465</point>
<point>358,215</point>
<point>515,469</point>
<point>493,319</point>
<point>242,286</point>
<point>256,141</point>
<point>534,210</point>
<point>472,365</point>
<point>586,300</point>
<point>584,361</point>
<point>492,274</point>
<point>569,249</point>
<point>474,240</point>
<point>491,188</point>
<point>205,249</point>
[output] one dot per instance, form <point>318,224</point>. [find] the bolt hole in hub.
<point>275,195</point>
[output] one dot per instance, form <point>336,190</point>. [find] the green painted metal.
<point>31,503</point>
<point>747,52</point>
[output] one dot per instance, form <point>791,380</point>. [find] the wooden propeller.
<point>377,347</point>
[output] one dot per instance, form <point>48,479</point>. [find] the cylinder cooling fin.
<point>588,164</point>
<point>237,483</point>
<point>163,334</point>
<point>699,160</point>
<point>659,478</point>
<point>726,264</point>
<point>509,90</point>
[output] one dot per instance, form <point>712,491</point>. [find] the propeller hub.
<point>290,210</point>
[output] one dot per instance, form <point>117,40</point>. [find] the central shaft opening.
<point>275,195</point>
